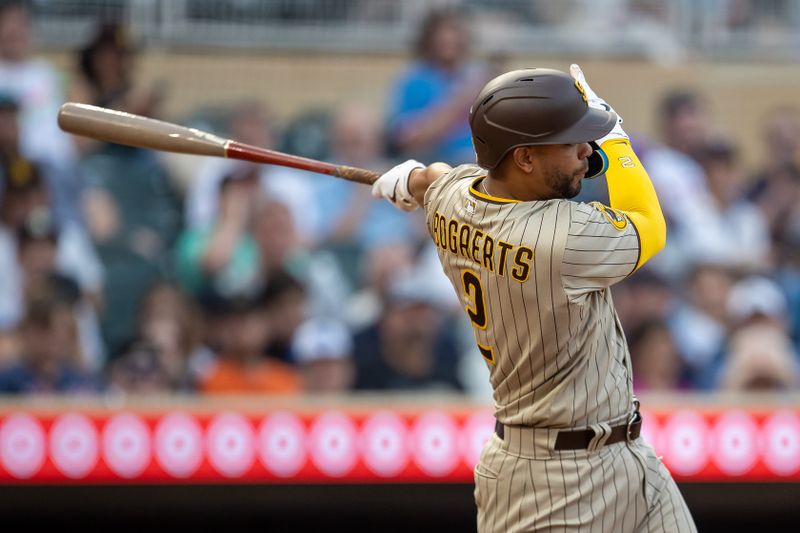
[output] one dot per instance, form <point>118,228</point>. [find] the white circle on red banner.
<point>434,443</point>
<point>477,431</point>
<point>22,445</point>
<point>179,444</point>
<point>384,443</point>
<point>685,442</point>
<point>735,443</point>
<point>780,443</point>
<point>282,444</point>
<point>74,445</point>
<point>230,444</point>
<point>127,445</point>
<point>332,441</point>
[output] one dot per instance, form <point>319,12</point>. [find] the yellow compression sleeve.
<point>631,191</point>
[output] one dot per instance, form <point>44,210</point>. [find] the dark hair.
<point>140,357</point>
<point>430,24</point>
<point>8,102</point>
<point>7,5</point>
<point>44,303</point>
<point>108,35</point>
<point>644,331</point>
<point>279,284</point>
<point>215,304</point>
<point>64,288</point>
<point>717,151</point>
<point>677,101</point>
<point>242,173</point>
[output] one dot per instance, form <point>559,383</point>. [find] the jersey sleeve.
<point>602,248</point>
<point>442,186</point>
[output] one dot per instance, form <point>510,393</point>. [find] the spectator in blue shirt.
<point>430,101</point>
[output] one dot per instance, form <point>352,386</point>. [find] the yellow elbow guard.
<point>630,191</point>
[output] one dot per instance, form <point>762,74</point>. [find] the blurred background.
<point>138,282</point>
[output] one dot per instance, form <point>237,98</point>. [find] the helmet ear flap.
<point>598,162</point>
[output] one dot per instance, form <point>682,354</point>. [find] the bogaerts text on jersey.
<point>494,255</point>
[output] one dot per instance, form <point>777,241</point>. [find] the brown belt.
<point>580,439</point>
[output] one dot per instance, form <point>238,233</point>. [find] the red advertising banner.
<point>352,445</point>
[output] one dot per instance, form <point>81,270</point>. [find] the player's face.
<point>563,166</point>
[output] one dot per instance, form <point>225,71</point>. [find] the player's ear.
<point>523,158</point>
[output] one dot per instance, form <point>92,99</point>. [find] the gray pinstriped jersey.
<point>533,278</point>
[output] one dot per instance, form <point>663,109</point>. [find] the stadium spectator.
<point>323,350</point>
<point>378,267</point>
<point>49,361</point>
<point>410,347</point>
<point>349,216</point>
<point>699,325</point>
<point>38,243</point>
<point>776,190</point>
<point>9,347</point>
<point>429,101</point>
<point>787,273</point>
<point>276,237</point>
<point>224,257</point>
<point>776,186</point>
<point>676,174</point>
<point>734,231</point>
<point>170,324</point>
<point>760,358</point>
<point>107,66</point>
<point>756,299</point>
<point>657,365</point>
<point>130,206</point>
<point>251,123</point>
<point>285,305</point>
<point>643,298</point>
<point>281,250</point>
<point>38,89</point>
<point>26,197</point>
<point>242,332</point>
<point>139,369</point>
<point>133,216</point>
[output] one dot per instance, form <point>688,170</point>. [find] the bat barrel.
<point>134,130</point>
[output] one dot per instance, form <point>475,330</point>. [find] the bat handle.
<point>359,175</point>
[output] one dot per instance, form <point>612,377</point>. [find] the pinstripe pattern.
<point>535,290</point>
<point>620,488</point>
<point>559,359</point>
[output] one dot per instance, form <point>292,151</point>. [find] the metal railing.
<point>661,30</point>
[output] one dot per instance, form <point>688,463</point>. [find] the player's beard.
<point>565,185</point>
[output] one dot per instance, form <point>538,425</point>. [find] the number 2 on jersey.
<point>476,304</point>
<point>476,308</point>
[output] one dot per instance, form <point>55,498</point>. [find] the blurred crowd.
<point>121,278</point>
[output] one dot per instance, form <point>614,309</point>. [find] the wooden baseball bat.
<point>142,132</point>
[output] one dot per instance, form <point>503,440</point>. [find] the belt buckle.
<point>632,420</point>
<point>629,427</point>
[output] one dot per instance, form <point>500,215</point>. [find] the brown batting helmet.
<point>533,106</point>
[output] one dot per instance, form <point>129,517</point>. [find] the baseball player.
<point>533,270</point>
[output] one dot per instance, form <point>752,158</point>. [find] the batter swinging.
<point>533,270</point>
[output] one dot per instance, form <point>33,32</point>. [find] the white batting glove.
<point>393,185</point>
<point>598,103</point>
